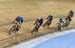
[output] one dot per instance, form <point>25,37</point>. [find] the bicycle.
<point>14,28</point>
<point>35,29</point>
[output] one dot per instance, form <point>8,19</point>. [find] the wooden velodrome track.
<point>30,10</point>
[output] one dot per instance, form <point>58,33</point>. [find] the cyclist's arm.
<point>36,21</point>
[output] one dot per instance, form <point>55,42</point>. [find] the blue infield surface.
<point>64,39</point>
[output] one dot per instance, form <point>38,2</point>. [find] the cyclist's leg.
<point>45,23</point>
<point>16,27</point>
<point>59,26</point>
<point>37,27</point>
<point>34,29</point>
<point>66,23</point>
<point>49,22</point>
<point>12,29</point>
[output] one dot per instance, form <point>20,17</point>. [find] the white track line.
<point>36,41</point>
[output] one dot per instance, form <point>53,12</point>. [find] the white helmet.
<point>39,17</point>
